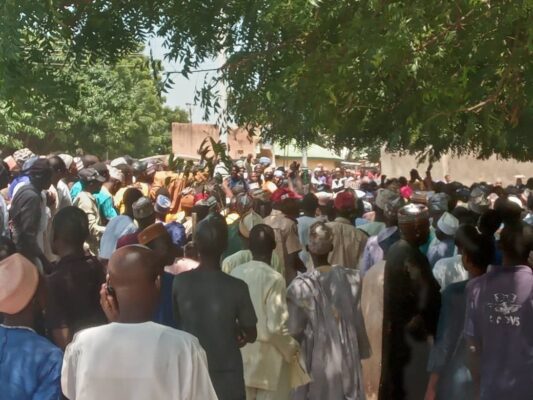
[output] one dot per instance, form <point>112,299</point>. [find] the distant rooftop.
<point>313,151</point>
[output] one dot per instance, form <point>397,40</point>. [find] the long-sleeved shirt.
<point>263,359</point>
<point>348,243</point>
<point>30,365</point>
<point>27,213</point>
<point>86,202</point>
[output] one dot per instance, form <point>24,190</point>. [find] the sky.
<point>182,92</point>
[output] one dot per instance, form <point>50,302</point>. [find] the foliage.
<point>102,109</point>
<point>211,153</point>
<point>410,75</point>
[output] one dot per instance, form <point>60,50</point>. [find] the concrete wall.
<point>465,169</point>
<point>311,162</point>
<point>187,138</point>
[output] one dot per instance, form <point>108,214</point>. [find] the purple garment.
<point>499,318</point>
<point>439,249</point>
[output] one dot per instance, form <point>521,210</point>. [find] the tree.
<point>410,75</point>
<point>107,110</point>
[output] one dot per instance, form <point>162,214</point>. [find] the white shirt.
<point>449,270</point>
<point>119,226</point>
<point>63,195</point>
<point>145,361</point>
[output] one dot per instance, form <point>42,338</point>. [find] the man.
<point>221,329</point>
<point>236,179</point>
<point>443,246</point>
<point>499,321</point>
<point>74,285</point>
<point>161,208</point>
<point>246,224</point>
<point>104,198</point>
<point>119,226</point>
<point>91,182</point>
<point>410,309</point>
<point>282,220</point>
<point>450,377</point>
<point>348,241</point>
<point>60,172</point>
<point>309,208</point>
<point>59,197</point>
<point>28,213</point>
<point>377,246</point>
<point>325,317</point>
<point>240,205</point>
<point>135,358</point>
<point>144,214</point>
<point>30,366</point>
<point>157,238</point>
<point>267,360</point>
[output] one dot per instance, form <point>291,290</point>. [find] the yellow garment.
<point>274,348</point>
<point>348,244</point>
<point>243,256</point>
<point>118,199</point>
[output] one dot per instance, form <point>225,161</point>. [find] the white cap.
<point>119,161</point>
<point>278,173</point>
<point>448,224</point>
<point>115,173</point>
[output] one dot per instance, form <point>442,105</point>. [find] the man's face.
<point>254,177</point>
<point>235,172</point>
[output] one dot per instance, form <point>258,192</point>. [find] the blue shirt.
<point>30,365</point>
<point>106,207</point>
<point>75,190</point>
<point>448,356</point>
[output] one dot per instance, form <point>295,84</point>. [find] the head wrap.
<point>23,155</point>
<point>345,201</point>
<point>19,279</point>
<point>320,239</point>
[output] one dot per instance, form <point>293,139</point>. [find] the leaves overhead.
<point>405,74</point>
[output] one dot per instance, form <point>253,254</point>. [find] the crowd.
<point>125,279</point>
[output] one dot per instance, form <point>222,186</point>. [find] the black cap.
<point>89,175</point>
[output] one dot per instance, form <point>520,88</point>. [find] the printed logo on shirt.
<point>504,309</point>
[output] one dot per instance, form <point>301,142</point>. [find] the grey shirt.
<point>213,306</point>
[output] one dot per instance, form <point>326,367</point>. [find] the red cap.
<point>199,197</point>
<point>345,201</point>
<point>282,194</point>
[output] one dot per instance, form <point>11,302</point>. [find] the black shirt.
<point>74,294</point>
